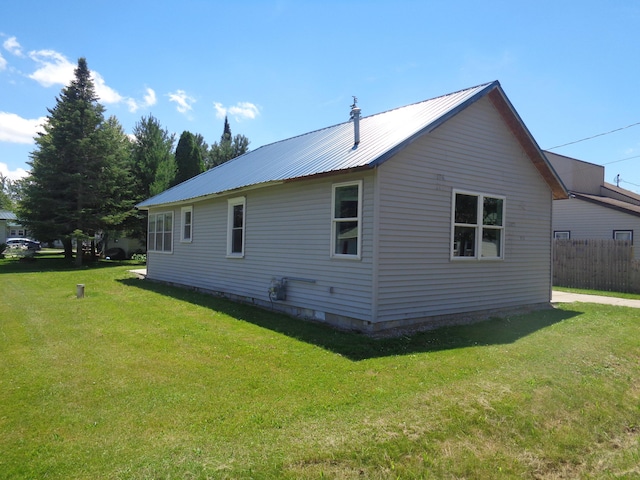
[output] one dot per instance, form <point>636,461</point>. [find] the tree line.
<point>87,174</point>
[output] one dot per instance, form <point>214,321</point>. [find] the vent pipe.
<point>355,116</point>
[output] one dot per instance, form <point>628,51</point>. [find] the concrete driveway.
<point>565,297</point>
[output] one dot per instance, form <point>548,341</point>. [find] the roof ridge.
<point>495,82</point>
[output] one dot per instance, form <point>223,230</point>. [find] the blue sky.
<point>283,68</point>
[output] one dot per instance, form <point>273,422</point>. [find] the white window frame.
<point>183,224</point>
<point>629,232</point>
<point>562,235</point>
<point>337,220</point>
<point>231,204</point>
<point>479,227</point>
<point>151,246</point>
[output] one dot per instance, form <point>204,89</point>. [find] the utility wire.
<point>594,136</point>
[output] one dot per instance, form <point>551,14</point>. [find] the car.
<point>23,242</point>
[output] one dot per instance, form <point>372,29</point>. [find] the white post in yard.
<point>80,290</point>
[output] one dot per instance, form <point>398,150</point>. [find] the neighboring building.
<point>436,212</point>
<point>595,210</point>
<point>9,227</point>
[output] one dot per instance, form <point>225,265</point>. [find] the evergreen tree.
<point>153,169</point>
<point>228,148</point>
<point>188,158</point>
<point>62,196</point>
<point>153,164</point>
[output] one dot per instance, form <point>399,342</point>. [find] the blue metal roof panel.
<point>324,151</point>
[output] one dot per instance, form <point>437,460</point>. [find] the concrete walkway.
<point>565,297</point>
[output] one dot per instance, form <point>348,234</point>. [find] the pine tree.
<point>153,168</point>
<point>188,158</point>
<point>63,195</point>
<point>229,147</point>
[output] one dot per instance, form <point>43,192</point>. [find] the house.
<point>433,213</point>
<point>595,210</point>
<point>9,226</point>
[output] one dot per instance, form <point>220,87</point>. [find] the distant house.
<point>9,226</point>
<point>595,210</point>
<point>436,212</point>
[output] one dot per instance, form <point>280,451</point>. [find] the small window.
<point>623,235</point>
<point>187,224</point>
<point>477,226</point>
<point>235,227</point>
<point>346,220</point>
<point>160,232</point>
<point>562,235</point>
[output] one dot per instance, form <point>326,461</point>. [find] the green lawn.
<point>139,380</point>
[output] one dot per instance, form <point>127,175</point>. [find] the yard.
<point>139,380</point>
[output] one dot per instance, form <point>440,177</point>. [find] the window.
<point>623,235</point>
<point>562,235</point>
<point>235,227</point>
<point>160,232</point>
<point>478,226</point>
<point>346,220</point>
<point>187,224</point>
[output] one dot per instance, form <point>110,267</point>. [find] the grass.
<point>140,380</point>
<point>630,296</point>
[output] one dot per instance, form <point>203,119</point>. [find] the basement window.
<point>562,235</point>
<point>477,226</point>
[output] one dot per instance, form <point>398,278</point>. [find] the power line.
<point>594,136</point>
<point>621,160</point>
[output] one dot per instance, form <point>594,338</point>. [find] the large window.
<point>346,220</point>
<point>235,227</point>
<point>477,226</point>
<point>160,232</point>
<point>187,224</point>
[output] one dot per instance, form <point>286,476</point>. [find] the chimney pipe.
<point>355,116</point>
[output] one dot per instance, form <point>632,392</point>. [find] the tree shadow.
<point>356,346</point>
<point>56,263</point>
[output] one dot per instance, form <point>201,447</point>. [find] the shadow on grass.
<point>55,263</point>
<point>355,346</point>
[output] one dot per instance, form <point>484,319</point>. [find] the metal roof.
<point>323,151</point>
<point>7,215</point>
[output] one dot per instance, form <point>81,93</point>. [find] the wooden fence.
<point>596,264</point>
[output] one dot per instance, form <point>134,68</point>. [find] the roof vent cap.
<point>355,116</point>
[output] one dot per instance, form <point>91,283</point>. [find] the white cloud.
<point>11,45</point>
<point>54,69</point>
<point>150,98</point>
<point>240,111</point>
<point>16,174</point>
<point>3,63</point>
<point>15,129</point>
<point>147,101</point>
<point>182,100</point>
<point>105,93</point>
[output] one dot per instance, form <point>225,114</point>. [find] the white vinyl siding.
<point>160,232</point>
<point>286,235</point>
<point>473,152</point>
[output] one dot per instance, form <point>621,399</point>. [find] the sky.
<point>282,68</point>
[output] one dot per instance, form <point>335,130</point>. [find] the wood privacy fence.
<point>596,264</point>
